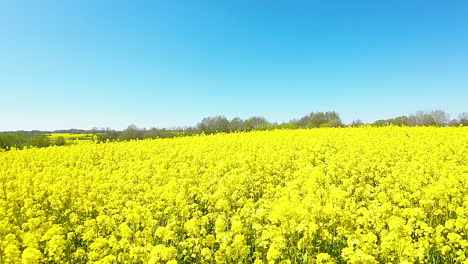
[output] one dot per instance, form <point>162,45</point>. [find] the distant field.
<point>328,195</point>
<point>72,138</point>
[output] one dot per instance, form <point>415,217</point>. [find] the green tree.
<point>132,132</point>
<point>256,122</point>
<point>236,124</point>
<point>214,124</point>
<point>289,125</point>
<point>60,141</point>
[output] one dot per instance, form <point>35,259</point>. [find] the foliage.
<point>328,195</point>
<point>424,118</point>
<point>356,123</point>
<point>60,141</point>
<point>218,124</point>
<point>214,124</point>
<point>320,119</point>
<point>20,140</point>
<point>463,119</point>
<point>132,133</point>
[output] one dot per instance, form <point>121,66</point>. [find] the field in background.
<point>356,195</point>
<point>71,138</point>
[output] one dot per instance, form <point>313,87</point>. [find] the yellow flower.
<point>285,196</point>
<point>31,256</point>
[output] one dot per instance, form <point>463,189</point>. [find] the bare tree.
<point>441,118</point>
<point>357,122</point>
<point>421,118</point>
<point>463,118</point>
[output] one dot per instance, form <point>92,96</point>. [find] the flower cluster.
<point>329,195</point>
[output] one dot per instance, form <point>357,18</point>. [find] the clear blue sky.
<point>82,64</point>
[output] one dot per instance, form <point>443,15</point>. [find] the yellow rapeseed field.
<point>331,195</point>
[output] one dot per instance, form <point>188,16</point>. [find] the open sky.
<point>84,64</point>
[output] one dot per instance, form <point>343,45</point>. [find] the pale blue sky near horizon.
<point>84,64</point>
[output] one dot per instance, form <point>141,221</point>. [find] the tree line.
<point>425,118</point>
<point>220,124</point>
<point>22,139</point>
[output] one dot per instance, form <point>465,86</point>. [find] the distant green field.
<point>72,138</point>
